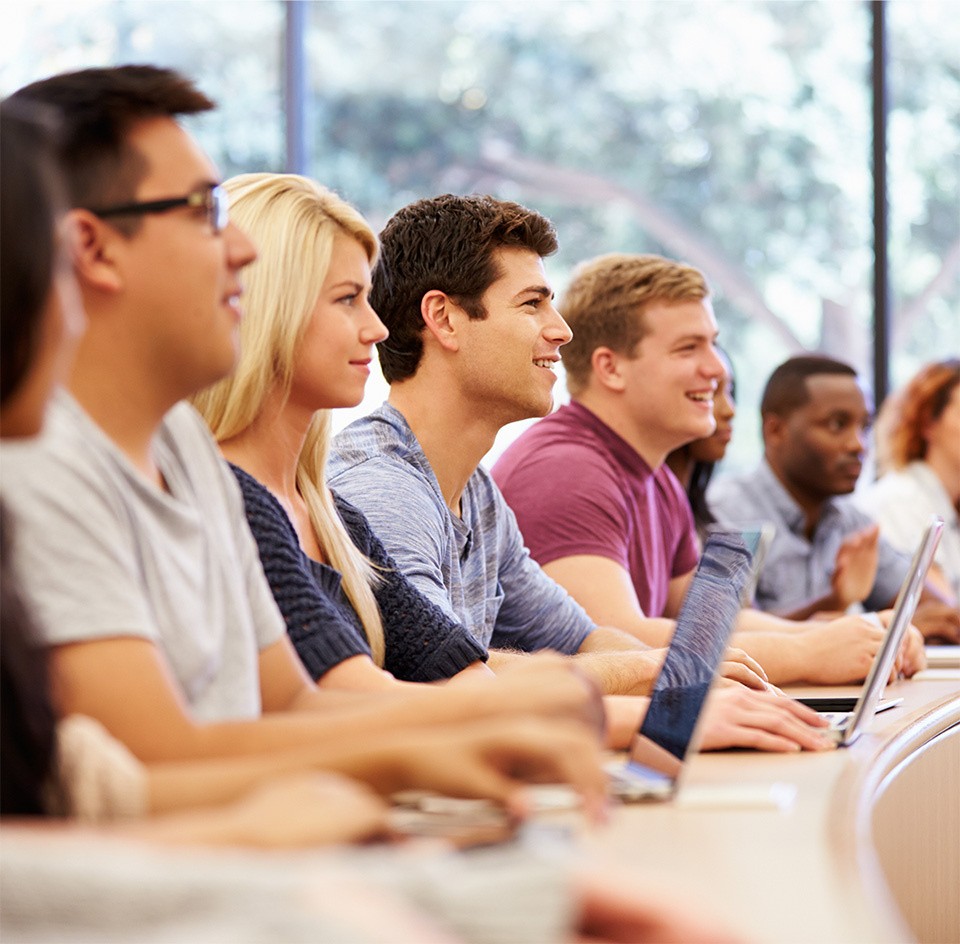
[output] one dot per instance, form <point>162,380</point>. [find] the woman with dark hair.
<point>41,319</point>
<point>693,464</point>
<point>918,450</point>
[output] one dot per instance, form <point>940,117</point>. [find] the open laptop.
<point>847,726</point>
<point>667,734</point>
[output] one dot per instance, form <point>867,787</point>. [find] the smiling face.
<point>669,383</point>
<point>817,449</point>
<point>714,447</point>
<point>181,280</point>
<point>333,358</point>
<point>509,357</point>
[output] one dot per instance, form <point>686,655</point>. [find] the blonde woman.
<point>307,342</point>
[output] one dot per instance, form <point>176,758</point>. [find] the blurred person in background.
<point>917,437</point>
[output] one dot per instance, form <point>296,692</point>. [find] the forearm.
<point>751,620</point>
<point>781,654</point>
<point>202,784</point>
<point>624,714</point>
<point>622,672</point>
<point>609,639</point>
<point>503,658</point>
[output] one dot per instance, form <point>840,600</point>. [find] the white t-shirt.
<point>902,503</point>
<point>101,551</point>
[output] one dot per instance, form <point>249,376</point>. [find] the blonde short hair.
<point>605,301</point>
<point>293,221</point>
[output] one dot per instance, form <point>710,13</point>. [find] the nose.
<point>713,367</point>
<point>372,329</point>
<point>857,440</point>
<point>726,409</point>
<point>557,331</point>
<point>241,250</point>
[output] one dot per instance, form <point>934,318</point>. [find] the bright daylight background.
<point>734,134</point>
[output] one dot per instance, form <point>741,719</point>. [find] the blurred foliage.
<point>734,134</point>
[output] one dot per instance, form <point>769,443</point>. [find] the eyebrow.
<point>543,291</point>
<point>697,337</point>
<point>347,283</point>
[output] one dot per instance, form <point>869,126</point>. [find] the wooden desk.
<point>868,851</point>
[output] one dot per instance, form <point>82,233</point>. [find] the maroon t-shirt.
<point>577,487</point>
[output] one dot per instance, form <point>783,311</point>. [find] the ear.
<point>437,311</point>
<point>606,369</point>
<point>93,245</point>
<point>773,427</point>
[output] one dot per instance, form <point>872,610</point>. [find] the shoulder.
<point>377,460</point>
<point>72,468</point>
<point>668,486</point>
<point>728,495</point>
<point>380,434</point>
<point>851,515</point>
<point>354,520</point>
<point>557,449</point>
<point>263,511</point>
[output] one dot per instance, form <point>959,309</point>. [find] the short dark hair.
<point>98,108</point>
<point>786,390</point>
<point>447,244</point>
<point>31,200</point>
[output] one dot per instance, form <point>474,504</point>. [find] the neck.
<point>681,464</point>
<point>122,405</point>
<point>269,448</point>
<point>810,505</point>
<point>945,468</point>
<point>454,437</point>
<point>645,441</point>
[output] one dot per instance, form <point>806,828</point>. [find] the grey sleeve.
<point>536,613</point>
<point>72,552</point>
<point>404,514</point>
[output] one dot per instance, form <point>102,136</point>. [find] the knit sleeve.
<point>323,635</point>
<point>423,644</point>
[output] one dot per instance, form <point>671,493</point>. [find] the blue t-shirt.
<point>474,567</point>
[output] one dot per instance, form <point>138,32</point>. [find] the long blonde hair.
<point>293,221</point>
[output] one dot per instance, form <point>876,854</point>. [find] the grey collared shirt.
<point>797,570</point>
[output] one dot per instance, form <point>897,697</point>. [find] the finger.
<point>802,713</point>
<point>761,740</point>
<point>572,758</point>
<point>783,725</point>
<point>738,655</point>
<point>739,672</point>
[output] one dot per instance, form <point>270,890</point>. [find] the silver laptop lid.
<point>693,657</point>
<point>903,611</point>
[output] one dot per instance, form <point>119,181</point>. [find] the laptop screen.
<point>699,640</point>
<point>903,612</point>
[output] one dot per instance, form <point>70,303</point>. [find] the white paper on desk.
<point>943,657</point>
<point>936,675</point>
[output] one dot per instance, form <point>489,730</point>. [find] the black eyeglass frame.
<point>213,198</point>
